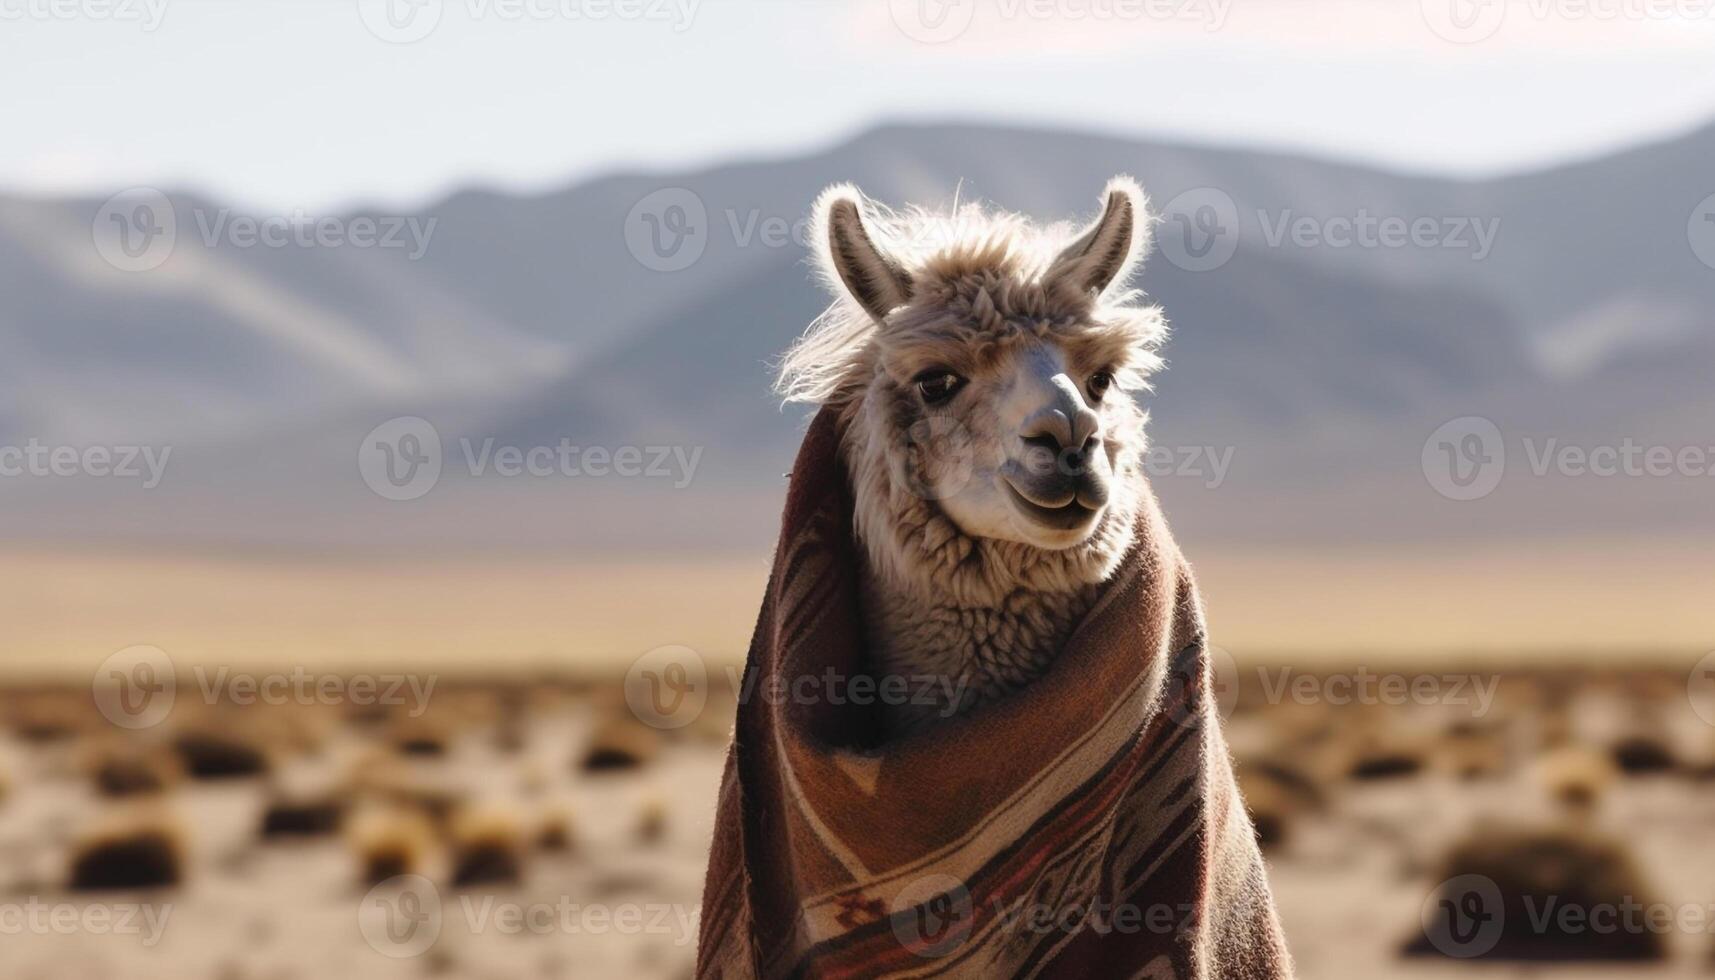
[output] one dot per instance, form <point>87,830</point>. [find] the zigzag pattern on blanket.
<point>1087,826</point>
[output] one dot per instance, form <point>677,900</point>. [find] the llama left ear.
<point>851,258</point>
<point>1111,249</point>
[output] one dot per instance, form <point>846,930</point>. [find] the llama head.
<point>984,369</point>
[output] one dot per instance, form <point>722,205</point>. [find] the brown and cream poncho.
<point>1086,826</point>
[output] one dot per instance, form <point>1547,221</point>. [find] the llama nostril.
<point>1041,454</point>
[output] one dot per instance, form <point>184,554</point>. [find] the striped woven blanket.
<point>1086,826</point>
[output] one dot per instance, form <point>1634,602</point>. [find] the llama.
<point>985,393</point>
<point>969,506</point>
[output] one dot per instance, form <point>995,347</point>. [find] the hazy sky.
<point>314,103</point>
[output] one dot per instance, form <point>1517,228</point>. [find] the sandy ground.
<point>65,611</point>
<point>1350,878</point>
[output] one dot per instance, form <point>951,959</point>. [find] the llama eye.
<point>1099,383</point>
<point>938,385</point>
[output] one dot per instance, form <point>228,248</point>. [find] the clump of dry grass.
<point>207,753</point>
<point>121,773</point>
<point>1555,867</point>
<point>555,831</point>
<point>46,717</point>
<point>421,739</point>
<point>1471,751</point>
<point>1575,778</point>
<point>652,821</point>
<point>390,841</point>
<point>621,743</point>
<point>133,850</point>
<point>1644,754</point>
<point>1378,762</point>
<point>299,817</point>
<point>487,846</point>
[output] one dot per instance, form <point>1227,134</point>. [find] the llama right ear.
<point>848,254</point>
<point>1109,250</point>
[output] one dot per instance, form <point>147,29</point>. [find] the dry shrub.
<point>488,847</point>
<point>1472,751</point>
<point>1539,873</point>
<point>652,821</point>
<point>138,850</point>
<point>210,754</point>
<point>1389,762</point>
<point>390,841</point>
<point>120,774</point>
<point>621,743</point>
<point>290,817</point>
<point>555,831</point>
<point>1576,778</point>
<point>1644,754</point>
<point>43,718</point>
<point>421,740</point>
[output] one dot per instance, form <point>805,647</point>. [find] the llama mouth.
<point>1066,517</point>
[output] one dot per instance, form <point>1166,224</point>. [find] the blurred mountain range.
<point>1316,359</point>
